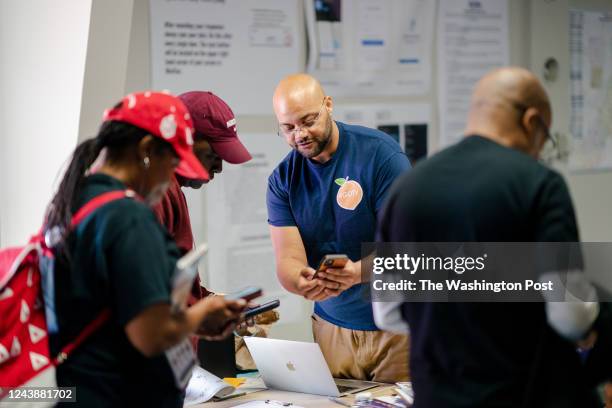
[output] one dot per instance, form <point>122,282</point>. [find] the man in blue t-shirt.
<point>322,199</point>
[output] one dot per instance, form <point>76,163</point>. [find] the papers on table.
<point>264,404</point>
<point>203,386</point>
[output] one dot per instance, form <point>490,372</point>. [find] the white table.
<point>304,400</point>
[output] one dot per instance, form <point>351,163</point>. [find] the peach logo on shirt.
<point>350,194</point>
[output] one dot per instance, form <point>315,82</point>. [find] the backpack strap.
<point>98,202</point>
<point>104,315</point>
<point>91,327</point>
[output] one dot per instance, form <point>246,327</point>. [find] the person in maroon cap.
<point>215,140</point>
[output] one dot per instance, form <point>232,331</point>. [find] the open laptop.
<point>300,367</point>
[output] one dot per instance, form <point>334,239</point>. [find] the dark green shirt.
<point>485,354</point>
<point>120,258</point>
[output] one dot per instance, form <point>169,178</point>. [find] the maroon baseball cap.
<point>214,121</point>
<point>164,116</point>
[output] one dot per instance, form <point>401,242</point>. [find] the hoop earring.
<point>146,162</point>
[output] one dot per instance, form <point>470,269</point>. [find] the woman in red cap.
<point>120,258</point>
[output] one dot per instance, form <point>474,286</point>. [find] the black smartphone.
<point>248,293</point>
<point>273,304</point>
<point>331,261</point>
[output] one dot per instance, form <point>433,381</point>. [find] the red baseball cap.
<point>165,116</point>
<point>215,122</point>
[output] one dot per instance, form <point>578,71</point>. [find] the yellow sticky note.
<point>234,382</point>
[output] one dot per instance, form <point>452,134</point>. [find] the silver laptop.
<point>300,367</point>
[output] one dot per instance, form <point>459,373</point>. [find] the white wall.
<point>42,58</point>
<point>106,63</point>
<point>591,191</point>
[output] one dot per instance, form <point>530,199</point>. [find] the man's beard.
<point>317,145</point>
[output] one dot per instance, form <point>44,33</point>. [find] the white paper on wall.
<point>472,40</point>
<point>371,47</point>
<point>590,142</point>
<point>237,49</point>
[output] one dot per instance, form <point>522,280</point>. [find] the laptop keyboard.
<point>351,386</point>
<point>344,388</point>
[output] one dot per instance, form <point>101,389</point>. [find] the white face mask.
<point>156,194</point>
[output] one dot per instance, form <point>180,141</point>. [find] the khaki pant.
<point>363,355</point>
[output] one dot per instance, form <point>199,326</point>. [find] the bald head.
<point>507,103</point>
<point>295,93</point>
<point>504,86</point>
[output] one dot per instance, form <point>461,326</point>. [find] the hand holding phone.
<point>220,317</point>
<point>335,261</point>
<point>273,304</point>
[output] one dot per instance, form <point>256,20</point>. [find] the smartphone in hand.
<point>336,261</point>
<point>273,304</point>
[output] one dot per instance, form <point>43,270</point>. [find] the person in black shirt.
<point>490,187</point>
<point>120,258</point>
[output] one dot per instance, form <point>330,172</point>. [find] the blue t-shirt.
<point>334,205</point>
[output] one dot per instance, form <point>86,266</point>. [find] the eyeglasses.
<point>551,142</point>
<point>290,130</point>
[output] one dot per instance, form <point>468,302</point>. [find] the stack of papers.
<point>204,386</point>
